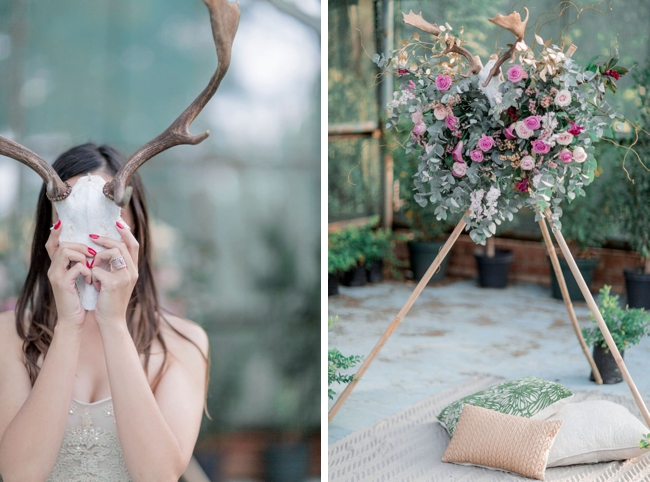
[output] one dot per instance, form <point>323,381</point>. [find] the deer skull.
<point>88,211</point>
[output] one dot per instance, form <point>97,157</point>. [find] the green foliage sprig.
<point>336,361</point>
<point>644,443</point>
<point>627,326</point>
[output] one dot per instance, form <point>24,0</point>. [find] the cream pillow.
<point>595,431</point>
<point>508,442</point>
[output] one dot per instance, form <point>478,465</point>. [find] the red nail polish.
<point>92,251</point>
<point>94,236</point>
<point>119,224</point>
<point>58,223</point>
<point>87,264</point>
<point>92,263</point>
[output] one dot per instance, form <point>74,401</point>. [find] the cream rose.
<point>564,138</point>
<point>579,154</point>
<point>522,130</point>
<point>527,163</point>
<point>440,112</point>
<point>563,98</point>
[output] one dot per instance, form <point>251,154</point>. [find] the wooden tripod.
<point>567,301</point>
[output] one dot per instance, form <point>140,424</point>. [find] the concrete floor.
<point>453,331</point>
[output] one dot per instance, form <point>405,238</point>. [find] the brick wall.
<point>531,264</point>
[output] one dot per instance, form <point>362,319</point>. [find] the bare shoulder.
<point>177,331</point>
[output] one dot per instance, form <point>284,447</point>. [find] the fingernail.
<point>119,225</point>
<point>87,264</point>
<point>92,251</point>
<point>58,223</point>
<point>92,263</point>
<point>94,236</point>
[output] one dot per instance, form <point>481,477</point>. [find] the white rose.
<point>579,154</point>
<point>440,112</point>
<point>522,131</point>
<point>459,169</point>
<point>527,163</point>
<point>563,98</point>
<point>564,138</point>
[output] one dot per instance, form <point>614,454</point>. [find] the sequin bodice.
<point>91,449</point>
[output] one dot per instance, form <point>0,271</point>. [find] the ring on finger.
<point>118,263</point>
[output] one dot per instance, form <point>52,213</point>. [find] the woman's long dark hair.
<point>36,300</point>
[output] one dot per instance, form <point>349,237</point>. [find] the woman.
<point>113,394</point>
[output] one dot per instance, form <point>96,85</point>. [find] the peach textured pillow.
<point>499,441</point>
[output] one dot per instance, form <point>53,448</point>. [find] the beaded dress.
<point>90,450</point>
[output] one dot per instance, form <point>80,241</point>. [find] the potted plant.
<point>584,227</point>
<point>627,327</point>
<point>349,245</point>
<point>493,264</point>
<point>339,260</point>
<point>379,251</point>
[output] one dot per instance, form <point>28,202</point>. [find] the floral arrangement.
<point>489,146</point>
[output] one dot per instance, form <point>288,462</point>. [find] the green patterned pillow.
<point>529,397</point>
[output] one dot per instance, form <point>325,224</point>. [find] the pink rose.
<point>419,128</point>
<point>540,147</point>
<point>416,117</point>
<point>508,132</point>
<point>443,82</point>
<point>476,155</point>
<point>457,153</point>
<point>564,138</point>
<point>459,169</point>
<point>522,131</point>
<point>533,122</point>
<point>451,122</point>
<point>485,143</point>
<point>565,155</point>
<point>516,73</point>
<point>440,112</point>
<point>527,163</point>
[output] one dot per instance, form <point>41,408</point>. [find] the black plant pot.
<point>375,272</point>
<point>493,272</point>
<point>607,366</point>
<point>422,255</point>
<point>287,462</point>
<point>354,277</point>
<point>332,284</point>
<point>586,267</point>
<point>637,286</point>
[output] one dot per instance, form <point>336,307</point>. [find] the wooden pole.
<point>601,323</point>
<point>567,299</point>
<point>398,319</point>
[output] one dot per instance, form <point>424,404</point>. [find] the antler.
<point>418,22</point>
<point>474,66</point>
<point>56,189</point>
<point>224,18</point>
<point>514,24</point>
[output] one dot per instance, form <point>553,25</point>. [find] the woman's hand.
<point>115,286</point>
<point>68,261</point>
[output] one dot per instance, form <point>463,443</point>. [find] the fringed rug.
<point>408,446</point>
